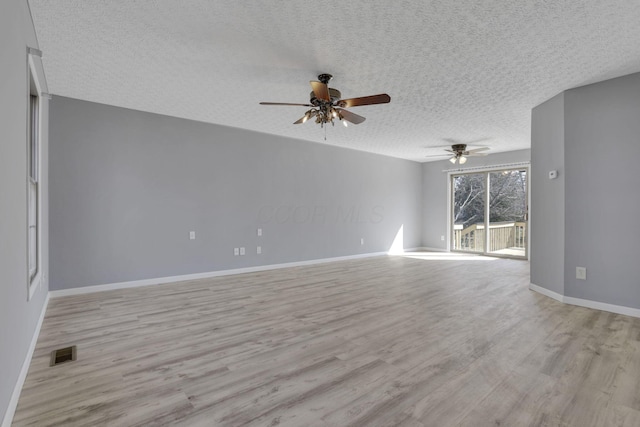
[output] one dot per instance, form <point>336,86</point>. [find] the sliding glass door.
<point>492,222</point>
<point>508,212</point>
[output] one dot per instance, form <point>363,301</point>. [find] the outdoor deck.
<point>505,238</point>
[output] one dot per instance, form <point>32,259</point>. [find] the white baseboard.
<point>425,248</point>
<point>15,396</point>
<point>205,275</point>
<point>612,308</point>
<point>546,292</point>
<point>619,309</point>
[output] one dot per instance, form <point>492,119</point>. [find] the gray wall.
<point>435,187</point>
<point>18,317</point>
<point>586,218</point>
<point>602,203</point>
<point>547,196</point>
<point>128,186</point>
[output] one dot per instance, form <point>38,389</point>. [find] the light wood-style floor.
<point>431,340</point>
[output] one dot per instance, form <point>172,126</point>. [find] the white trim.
<point>416,249</point>
<point>449,211</point>
<point>33,51</point>
<point>36,63</point>
<point>34,284</point>
<point>35,72</point>
<point>205,275</point>
<point>488,168</point>
<point>546,292</point>
<point>427,249</point>
<point>619,309</point>
<point>15,396</point>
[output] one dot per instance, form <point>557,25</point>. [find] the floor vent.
<point>62,355</point>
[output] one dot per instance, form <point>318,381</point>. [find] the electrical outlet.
<point>259,231</point>
<point>236,251</point>
<point>242,251</point>
<point>192,235</point>
<point>442,238</point>
<point>362,240</point>
<point>259,250</point>
<point>581,273</point>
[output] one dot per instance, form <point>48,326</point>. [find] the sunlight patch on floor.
<point>447,256</point>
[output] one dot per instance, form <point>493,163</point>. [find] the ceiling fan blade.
<point>350,117</point>
<point>450,151</point>
<point>285,103</point>
<point>320,90</point>
<point>382,98</point>
<point>475,154</point>
<point>439,155</point>
<point>475,150</point>
<point>430,147</point>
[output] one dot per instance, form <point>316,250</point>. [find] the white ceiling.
<point>456,71</point>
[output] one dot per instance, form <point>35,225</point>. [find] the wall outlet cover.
<point>581,273</point>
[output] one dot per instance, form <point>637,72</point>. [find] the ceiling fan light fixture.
<point>326,104</point>
<point>463,160</point>
<point>453,160</point>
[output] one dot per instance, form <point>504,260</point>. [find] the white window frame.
<point>34,185</point>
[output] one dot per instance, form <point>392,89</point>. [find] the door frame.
<point>487,170</point>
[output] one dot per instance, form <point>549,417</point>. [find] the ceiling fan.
<point>326,104</point>
<point>460,153</point>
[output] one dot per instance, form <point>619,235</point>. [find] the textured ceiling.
<point>456,71</point>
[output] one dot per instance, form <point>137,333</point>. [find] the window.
<point>33,182</point>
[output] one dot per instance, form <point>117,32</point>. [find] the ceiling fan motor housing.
<point>334,94</point>
<point>459,148</point>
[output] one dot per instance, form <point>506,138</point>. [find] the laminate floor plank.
<point>426,339</point>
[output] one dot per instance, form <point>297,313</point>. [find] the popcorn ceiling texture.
<point>456,71</point>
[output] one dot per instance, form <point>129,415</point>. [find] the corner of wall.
<point>547,219</point>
